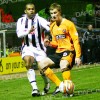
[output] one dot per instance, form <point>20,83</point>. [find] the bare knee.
<point>45,63</point>
<point>64,65</point>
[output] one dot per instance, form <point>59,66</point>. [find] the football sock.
<point>50,74</point>
<point>66,75</point>
<point>46,79</point>
<point>31,78</point>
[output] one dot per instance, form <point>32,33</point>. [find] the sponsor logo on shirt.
<point>60,36</point>
<point>64,30</point>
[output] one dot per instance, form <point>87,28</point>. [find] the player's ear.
<point>25,11</point>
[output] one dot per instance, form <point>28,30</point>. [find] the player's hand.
<point>46,42</point>
<point>31,31</point>
<point>78,61</point>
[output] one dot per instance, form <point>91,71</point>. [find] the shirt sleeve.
<point>20,29</point>
<point>44,23</point>
<point>74,35</point>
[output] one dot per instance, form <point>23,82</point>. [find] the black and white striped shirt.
<point>36,38</point>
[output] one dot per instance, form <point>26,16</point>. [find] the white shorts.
<point>34,52</point>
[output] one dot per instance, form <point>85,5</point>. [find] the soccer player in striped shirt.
<point>30,27</point>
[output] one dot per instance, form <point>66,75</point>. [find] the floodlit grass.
<point>87,87</point>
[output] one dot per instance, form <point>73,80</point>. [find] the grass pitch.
<point>86,80</point>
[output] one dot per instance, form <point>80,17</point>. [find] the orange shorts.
<point>70,58</point>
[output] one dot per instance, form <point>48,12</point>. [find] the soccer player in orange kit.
<point>65,39</point>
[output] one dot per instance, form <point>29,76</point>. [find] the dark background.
<point>69,7</point>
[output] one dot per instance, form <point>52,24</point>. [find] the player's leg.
<point>66,64</point>
<point>31,74</point>
<point>45,63</point>
<point>46,83</point>
<point>44,66</point>
<point>65,73</point>
<point>28,58</point>
<point>40,55</point>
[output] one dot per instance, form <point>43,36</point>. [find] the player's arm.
<point>74,35</point>
<point>52,43</point>
<point>44,23</point>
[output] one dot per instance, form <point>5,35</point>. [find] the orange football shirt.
<point>65,37</point>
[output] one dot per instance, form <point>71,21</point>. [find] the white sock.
<point>31,78</point>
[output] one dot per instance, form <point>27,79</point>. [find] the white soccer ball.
<point>67,86</point>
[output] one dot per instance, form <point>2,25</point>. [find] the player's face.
<point>90,27</point>
<point>30,11</point>
<point>55,14</point>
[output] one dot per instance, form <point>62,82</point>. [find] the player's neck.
<point>31,17</point>
<point>59,21</point>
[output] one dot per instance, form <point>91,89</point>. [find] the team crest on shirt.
<point>64,54</point>
<point>64,30</point>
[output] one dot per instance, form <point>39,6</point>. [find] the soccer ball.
<point>67,87</point>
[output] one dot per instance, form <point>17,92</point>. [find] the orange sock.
<point>50,74</point>
<point>66,75</point>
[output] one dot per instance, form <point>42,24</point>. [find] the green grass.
<point>87,86</point>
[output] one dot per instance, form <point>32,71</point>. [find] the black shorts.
<point>66,55</point>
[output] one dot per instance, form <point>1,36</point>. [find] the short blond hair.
<point>55,6</point>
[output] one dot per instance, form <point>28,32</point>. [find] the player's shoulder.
<point>67,21</point>
<point>40,18</point>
